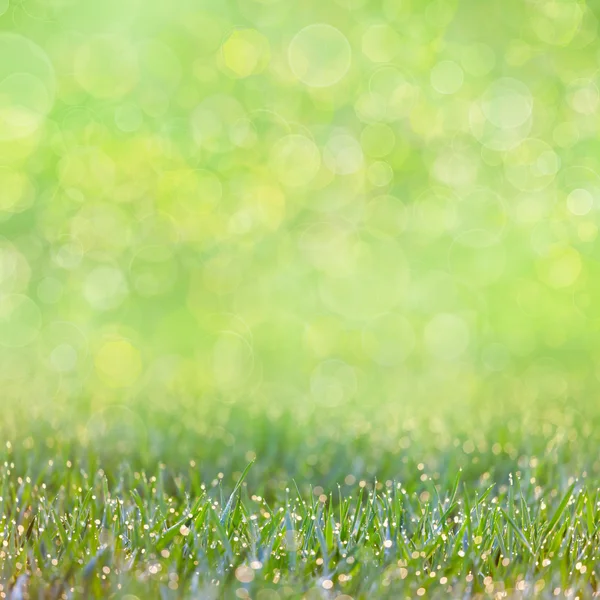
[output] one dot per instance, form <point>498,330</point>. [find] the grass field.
<point>299,299</point>
<point>333,506</point>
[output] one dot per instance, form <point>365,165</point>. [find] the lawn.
<point>321,506</point>
<point>299,299</point>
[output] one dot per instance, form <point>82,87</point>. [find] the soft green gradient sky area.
<point>311,203</point>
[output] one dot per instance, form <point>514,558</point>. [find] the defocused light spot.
<point>587,31</point>
<point>118,363</point>
<point>389,339</point>
<point>501,118</point>
<point>295,160</point>
<point>342,154</point>
<point>263,203</point>
<point>27,86</point>
<point>507,103</point>
<point>433,213</point>
<point>333,382</point>
<point>580,202</point>
<point>243,134</point>
<point>391,96</point>
<point>370,107</point>
<point>439,13</point>
<point>380,173</point>
<point>89,168</point>
<point>63,346</point>
<point>214,122</point>
<point>381,43</point>
<point>481,217</point>
<point>377,140</point>
<point>319,55</point>
<point>497,139</point>
<point>63,358</point>
<point>14,268</point>
<point>186,194</point>
<point>245,52</point>
<point>328,247</point>
<point>561,268</point>
<point>244,574</point>
<point>385,215</point>
<point>106,66</point>
<point>105,288</point>
<point>446,77</point>
<point>581,185</point>
<point>455,169</point>
<point>446,336</point>
<point>20,320</point>
<point>68,255</point>
<point>241,222</point>
<point>531,166</point>
<point>556,22</point>
<point>102,227</point>
<point>583,97</point>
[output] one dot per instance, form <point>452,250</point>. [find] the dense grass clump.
<point>498,514</point>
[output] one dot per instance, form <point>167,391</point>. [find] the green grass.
<point>433,505</point>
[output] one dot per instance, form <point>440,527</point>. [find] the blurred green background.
<point>346,212</point>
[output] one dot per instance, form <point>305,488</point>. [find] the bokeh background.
<point>237,219</point>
